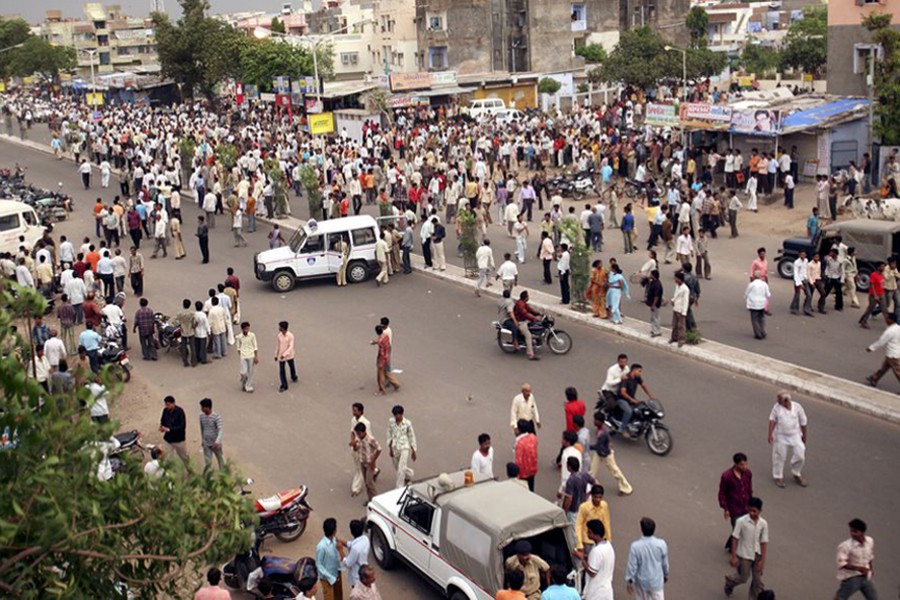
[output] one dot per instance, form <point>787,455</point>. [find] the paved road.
<point>457,384</point>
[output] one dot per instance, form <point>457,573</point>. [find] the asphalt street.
<point>457,384</point>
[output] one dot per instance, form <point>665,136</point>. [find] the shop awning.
<point>339,89</point>
<point>451,90</point>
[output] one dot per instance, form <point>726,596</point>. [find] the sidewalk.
<point>807,381</point>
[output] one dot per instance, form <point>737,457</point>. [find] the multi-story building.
<point>349,28</point>
<point>104,38</point>
<point>395,43</point>
<point>850,44</point>
<point>481,36</point>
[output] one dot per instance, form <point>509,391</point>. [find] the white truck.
<point>312,253</point>
<point>458,536</point>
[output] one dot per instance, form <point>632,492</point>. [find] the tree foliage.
<point>887,78</point>
<point>277,26</point>
<point>34,56</point>
<point>756,58</point>
<point>806,43</point>
<point>592,53</point>
<point>548,85</point>
<point>64,532</point>
<point>697,22</point>
<point>198,51</point>
<point>640,59</point>
<point>263,60</point>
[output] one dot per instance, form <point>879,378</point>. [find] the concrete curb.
<point>842,392</point>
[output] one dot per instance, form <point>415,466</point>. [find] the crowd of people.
<point>434,169</point>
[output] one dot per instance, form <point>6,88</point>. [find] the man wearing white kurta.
<point>787,429</point>
<point>600,564</point>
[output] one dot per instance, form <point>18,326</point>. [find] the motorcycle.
<point>168,334</point>
<point>127,442</point>
<point>247,569</point>
<point>111,353</point>
<point>284,514</point>
<point>583,186</point>
<point>646,422</point>
<point>543,333</point>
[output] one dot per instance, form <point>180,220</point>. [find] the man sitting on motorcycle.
<point>525,314</point>
<point>627,401</point>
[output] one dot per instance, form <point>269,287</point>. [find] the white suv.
<point>458,536</point>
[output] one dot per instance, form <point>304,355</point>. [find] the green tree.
<point>12,33</point>
<point>697,23</point>
<point>548,85</point>
<point>756,58</point>
<point>263,60</point>
<point>887,78</point>
<point>468,240</point>
<point>806,43</point>
<point>25,54</point>
<point>579,262</point>
<point>277,26</point>
<point>592,53</point>
<point>198,51</point>
<point>65,533</point>
<point>640,59</point>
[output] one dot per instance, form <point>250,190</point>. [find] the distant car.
<point>874,241</point>
<point>486,107</point>
<point>509,115</point>
<point>458,536</point>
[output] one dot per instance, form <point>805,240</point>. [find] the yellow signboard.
<point>2,86</point>
<point>321,123</point>
<point>745,81</point>
<point>94,99</point>
<point>808,77</point>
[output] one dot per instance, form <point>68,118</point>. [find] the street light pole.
<point>683,80</point>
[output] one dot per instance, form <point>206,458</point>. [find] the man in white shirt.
<point>508,273</point>
<point>484,257</point>
<point>54,349</point>
<point>23,275</point>
<point>787,430</point>
<point>854,559</point>
<point>890,341</point>
<point>483,457</point>
<point>66,252</point>
<point>563,267</point>
<point>524,406</point>
<point>680,304</point>
<point>750,539</point>
<point>684,246</point>
<point>757,297</point>
<point>801,282</point>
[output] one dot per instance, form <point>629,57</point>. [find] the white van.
<point>486,106</point>
<point>311,253</point>
<point>18,219</point>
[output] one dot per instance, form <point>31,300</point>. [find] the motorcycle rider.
<point>523,315</point>
<point>615,375</point>
<point>627,401</point>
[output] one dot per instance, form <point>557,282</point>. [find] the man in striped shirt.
<point>211,434</point>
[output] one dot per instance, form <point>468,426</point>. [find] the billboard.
<point>756,121</point>
<point>321,123</point>
<point>410,81</point>
<point>661,115</point>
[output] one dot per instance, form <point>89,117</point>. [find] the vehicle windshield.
<point>297,240</point>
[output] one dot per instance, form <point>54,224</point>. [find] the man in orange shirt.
<point>92,258</point>
<point>98,208</point>
<point>513,590</point>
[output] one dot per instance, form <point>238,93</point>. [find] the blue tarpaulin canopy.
<point>818,116</point>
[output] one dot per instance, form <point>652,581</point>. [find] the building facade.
<point>850,45</point>
<point>395,44</point>
<point>105,37</point>
<point>483,36</point>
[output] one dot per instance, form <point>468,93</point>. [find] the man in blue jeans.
<point>626,400</point>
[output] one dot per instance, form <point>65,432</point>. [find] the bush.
<point>693,337</point>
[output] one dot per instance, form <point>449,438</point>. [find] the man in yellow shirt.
<point>595,508</point>
<point>532,566</point>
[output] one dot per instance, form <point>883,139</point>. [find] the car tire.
<point>457,595</point>
<point>862,280</point>
<point>786,268</point>
<point>357,272</point>
<point>283,281</point>
<point>381,550</point>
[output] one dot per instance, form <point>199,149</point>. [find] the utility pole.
<point>871,143</point>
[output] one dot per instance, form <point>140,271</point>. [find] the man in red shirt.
<point>524,313</point>
<point>383,361</point>
<point>876,293</point>
<point>526,452</point>
<point>574,406</point>
<point>735,489</point>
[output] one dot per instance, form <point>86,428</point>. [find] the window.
<point>104,58</point>
<point>437,57</point>
<point>418,513</point>
<point>30,218</point>
<point>399,59</point>
<point>9,222</point>
<point>349,58</point>
<point>862,54</point>
<point>578,13</point>
<point>313,244</point>
<point>363,237</point>
<point>435,23</point>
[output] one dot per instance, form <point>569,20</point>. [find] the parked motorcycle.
<point>646,422</point>
<point>168,334</point>
<point>247,569</point>
<point>583,186</point>
<point>111,353</point>
<point>543,333</point>
<point>128,442</point>
<point>284,514</point>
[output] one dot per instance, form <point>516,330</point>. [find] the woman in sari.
<point>617,286</point>
<point>596,291</point>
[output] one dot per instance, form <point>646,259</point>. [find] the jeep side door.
<point>311,261</point>
<point>414,538</point>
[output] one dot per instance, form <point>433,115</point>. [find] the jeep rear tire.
<point>357,272</point>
